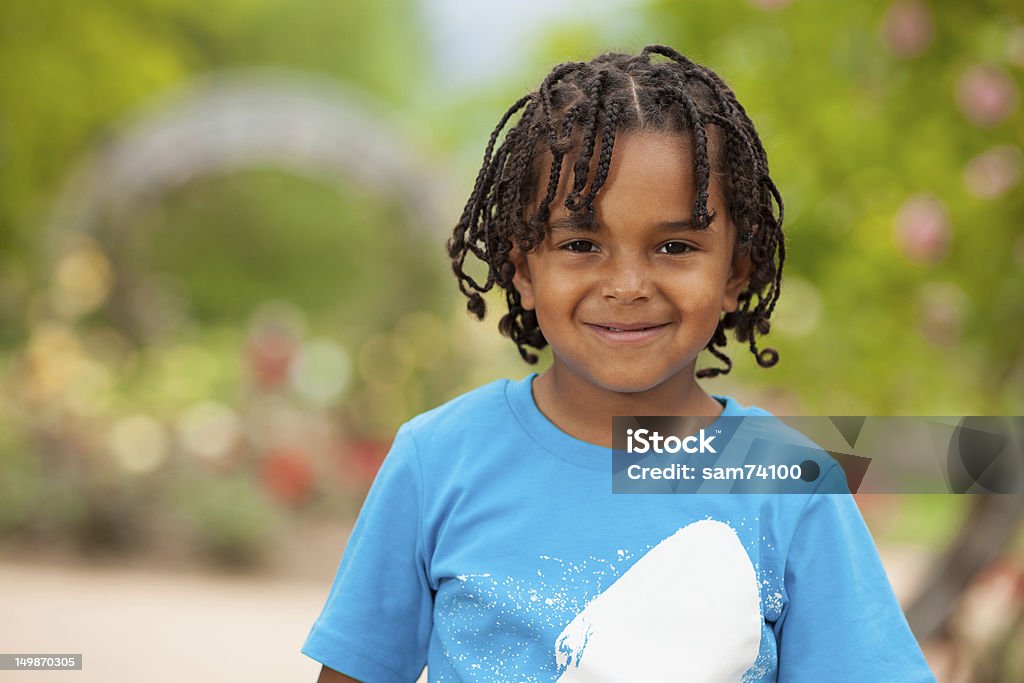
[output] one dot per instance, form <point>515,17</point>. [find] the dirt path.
<point>152,627</point>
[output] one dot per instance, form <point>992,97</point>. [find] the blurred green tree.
<point>69,73</point>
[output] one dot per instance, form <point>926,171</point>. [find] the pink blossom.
<point>986,95</point>
<point>922,229</point>
<point>993,173</point>
<point>908,28</point>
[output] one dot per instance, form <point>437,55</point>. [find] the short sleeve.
<point>376,623</point>
<point>842,621</point>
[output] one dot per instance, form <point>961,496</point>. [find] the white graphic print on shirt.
<point>687,610</point>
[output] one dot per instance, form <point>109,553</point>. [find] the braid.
<point>465,235</point>
<point>605,161</point>
<point>702,171</point>
<point>582,168</point>
<point>576,113</point>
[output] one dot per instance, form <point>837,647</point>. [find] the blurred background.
<point>223,286</point>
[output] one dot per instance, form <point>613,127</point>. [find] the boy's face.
<point>628,305</point>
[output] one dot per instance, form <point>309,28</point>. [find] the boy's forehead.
<point>651,140</point>
<point>650,179</point>
<point>648,153</point>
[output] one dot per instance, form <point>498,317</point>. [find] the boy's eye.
<point>674,248</point>
<point>580,246</point>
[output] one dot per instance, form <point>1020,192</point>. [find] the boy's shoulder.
<point>483,408</point>
<point>772,438</point>
<point>737,409</point>
<point>766,424</point>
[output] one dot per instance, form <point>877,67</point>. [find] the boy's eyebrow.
<point>574,222</point>
<point>581,223</point>
<point>676,226</point>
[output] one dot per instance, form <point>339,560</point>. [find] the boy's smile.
<point>628,301</point>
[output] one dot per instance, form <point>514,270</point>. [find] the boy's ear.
<point>739,276</point>
<point>522,279</point>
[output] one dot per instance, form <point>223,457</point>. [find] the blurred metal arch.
<point>292,120</point>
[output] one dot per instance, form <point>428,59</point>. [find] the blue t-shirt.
<point>491,548</point>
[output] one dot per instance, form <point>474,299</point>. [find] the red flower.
<point>269,352</point>
<point>288,474</point>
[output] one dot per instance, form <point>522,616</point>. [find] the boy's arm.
<point>328,675</point>
<point>841,622</point>
<point>377,620</point>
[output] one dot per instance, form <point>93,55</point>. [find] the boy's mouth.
<point>628,333</point>
<point>628,327</point>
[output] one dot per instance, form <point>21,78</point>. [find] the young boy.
<point>629,218</point>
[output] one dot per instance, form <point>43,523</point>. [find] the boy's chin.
<point>633,382</point>
<point>622,378</point>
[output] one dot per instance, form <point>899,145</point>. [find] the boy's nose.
<point>626,282</point>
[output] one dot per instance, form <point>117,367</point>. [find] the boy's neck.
<point>585,411</point>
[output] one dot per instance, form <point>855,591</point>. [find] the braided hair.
<point>577,103</point>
